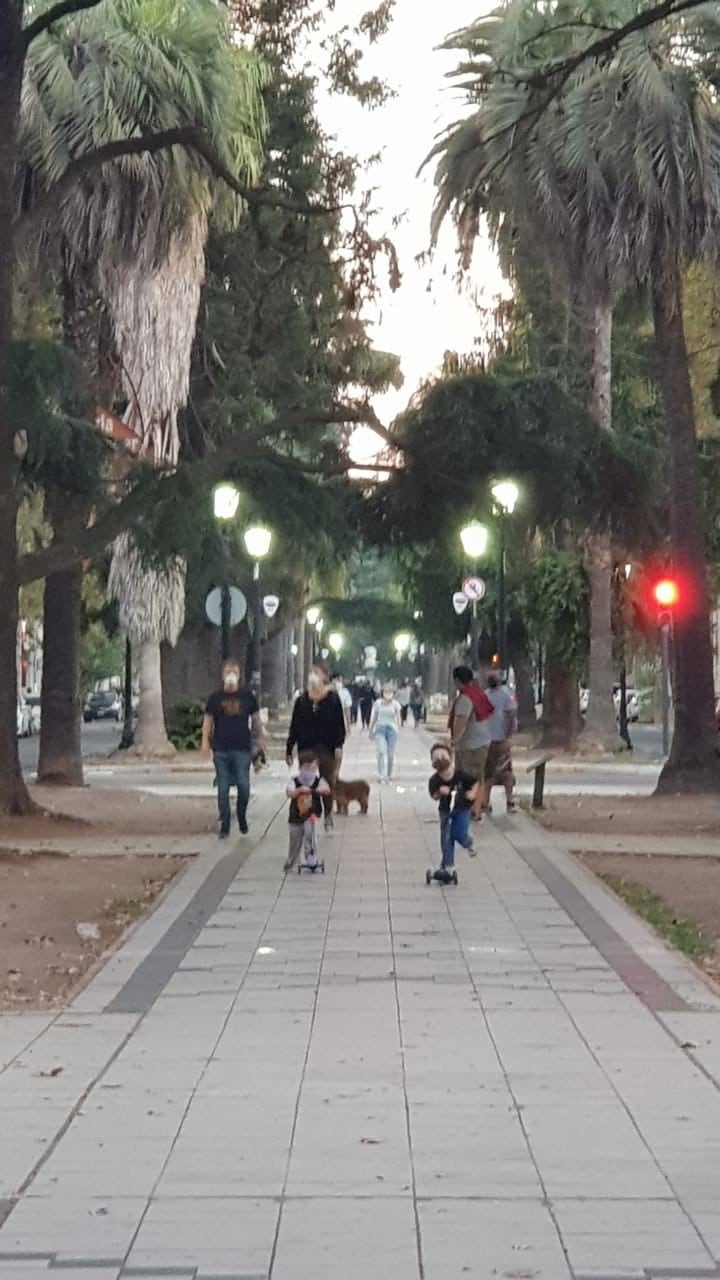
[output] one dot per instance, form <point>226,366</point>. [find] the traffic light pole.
<point>665,677</point>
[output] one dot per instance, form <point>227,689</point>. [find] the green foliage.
<point>101,656</point>
<point>558,604</point>
<point>679,932</point>
<point>62,450</point>
<point>184,725</point>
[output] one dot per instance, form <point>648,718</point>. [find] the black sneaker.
<point>242,823</point>
<point>224,835</point>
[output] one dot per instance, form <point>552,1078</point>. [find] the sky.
<point>428,315</point>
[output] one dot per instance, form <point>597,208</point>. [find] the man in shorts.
<point>469,726</point>
<point>503,722</point>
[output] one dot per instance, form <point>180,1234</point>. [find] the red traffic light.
<point>666,593</point>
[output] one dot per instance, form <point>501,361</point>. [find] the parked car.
<point>33,702</point>
<point>103,706</point>
<point>24,723</point>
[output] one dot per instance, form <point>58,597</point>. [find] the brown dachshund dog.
<point>346,792</point>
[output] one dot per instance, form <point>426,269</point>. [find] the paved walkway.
<point>353,1075</point>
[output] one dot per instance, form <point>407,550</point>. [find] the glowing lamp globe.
<point>257,541</point>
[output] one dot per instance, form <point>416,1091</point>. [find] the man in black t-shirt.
<point>231,721</point>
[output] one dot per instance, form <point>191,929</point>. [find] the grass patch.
<point>125,910</point>
<point>681,933</point>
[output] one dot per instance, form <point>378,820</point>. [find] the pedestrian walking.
<point>318,724</point>
<point>455,792</point>
<point>346,701</point>
<point>403,699</point>
<point>417,703</point>
<point>384,729</point>
<point>366,699</point>
<point>469,725</point>
<point>230,726</point>
<point>306,793</point>
<point>503,723</point>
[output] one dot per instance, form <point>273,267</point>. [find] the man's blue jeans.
<point>454,829</point>
<point>232,769</point>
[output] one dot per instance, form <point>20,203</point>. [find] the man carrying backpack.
<point>469,725</point>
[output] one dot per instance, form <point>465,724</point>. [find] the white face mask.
<point>231,682</point>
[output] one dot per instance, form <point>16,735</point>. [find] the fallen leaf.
<point>50,1075</point>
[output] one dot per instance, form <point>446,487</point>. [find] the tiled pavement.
<point>353,1075</point>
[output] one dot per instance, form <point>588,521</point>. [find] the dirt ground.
<point>690,887</point>
<point>43,899</point>
<point>102,811</point>
<point>633,815</point>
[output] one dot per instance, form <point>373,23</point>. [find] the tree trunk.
<point>60,758</point>
<point>60,755</point>
<point>561,716</point>
<point>694,764</point>
<point>600,733</point>
<point>525,694</point>
<point>274,668</point>
<point>14,797</point>
<point>150,735</point>
<point>300,657</point>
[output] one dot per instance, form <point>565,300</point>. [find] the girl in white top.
<point>384,729</point>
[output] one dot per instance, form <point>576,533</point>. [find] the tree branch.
<point>608,43</point>
<point>149,144</point>
<point>208,471</point>
<point>45,20</point>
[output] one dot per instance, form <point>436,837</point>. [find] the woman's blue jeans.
<point>385,743</point>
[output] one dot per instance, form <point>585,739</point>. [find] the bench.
<point>538,768</point>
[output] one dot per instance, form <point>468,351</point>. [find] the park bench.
<point>538,768</point>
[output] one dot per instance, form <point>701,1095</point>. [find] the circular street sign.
<point>460,602</point>
<point>474,588</point>
<point>213,606</point>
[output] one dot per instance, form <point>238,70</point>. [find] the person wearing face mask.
<point>454,791</point>
<point>503,722</point>
<point>305,792</point>
<point>385,721</point>
<point>231,721</point>
<point>318,724</point>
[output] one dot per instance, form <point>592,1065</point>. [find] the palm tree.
<point>509,165</point>
<point>133,233</point>
<point>620,174</point>
<point>649,124</point>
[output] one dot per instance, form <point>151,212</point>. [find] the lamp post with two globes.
<point>474,539</point>
<point>225,504</point>
<point>258,541</point>
<point>506,494</point>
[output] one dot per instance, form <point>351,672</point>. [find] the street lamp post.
<point>311,617</point>
<point>225,505</point>
<point>336,641</point>
<point>401,643</point>
<point>506,494</point>
<point>257,544</point>
<point>474,539</point>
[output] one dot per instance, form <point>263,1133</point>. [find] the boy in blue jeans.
<point>454,792</point>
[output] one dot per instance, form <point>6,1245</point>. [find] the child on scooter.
<point>455,792</point>
<point>305,793</point>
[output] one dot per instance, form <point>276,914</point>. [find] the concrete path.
<point>353,1075</point>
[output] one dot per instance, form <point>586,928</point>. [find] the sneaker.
<point>329,824</point>
<point>242,823</point>
<point>470,850</point>
<point>512,806</point>
<point>223,835</point>
<point>288,864</point>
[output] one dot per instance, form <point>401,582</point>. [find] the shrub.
<point>184,724</point>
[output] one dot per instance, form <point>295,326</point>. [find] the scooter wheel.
<point>428,877</point>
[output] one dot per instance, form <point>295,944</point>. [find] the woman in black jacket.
<point>318,724</point>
